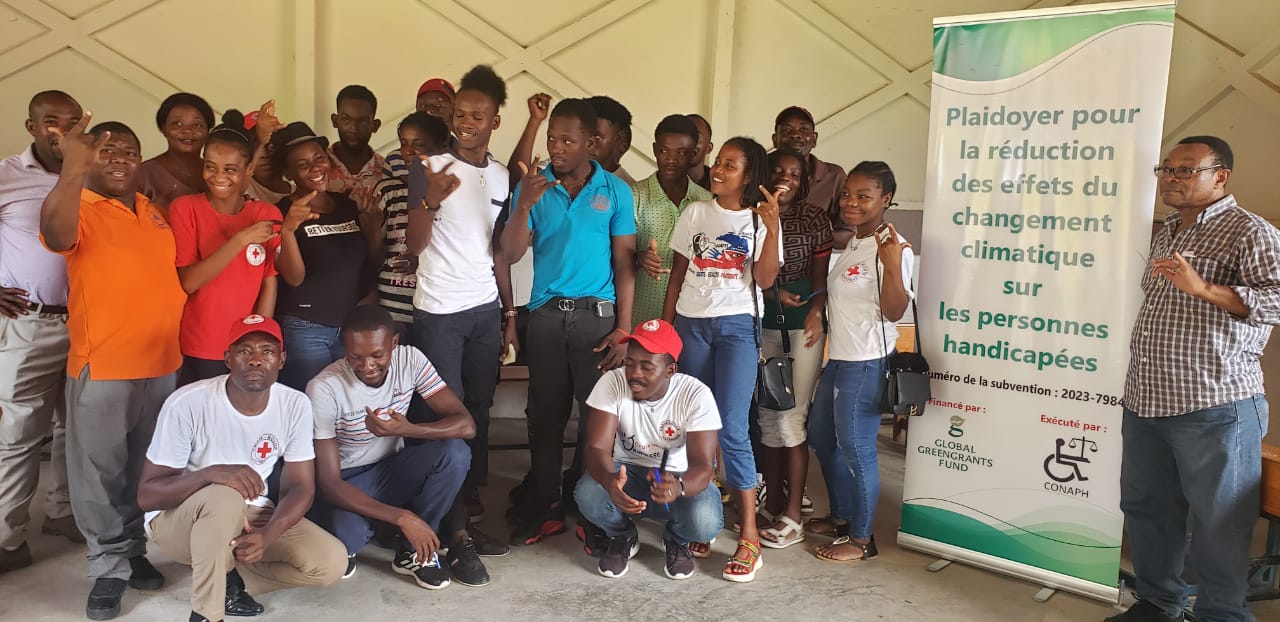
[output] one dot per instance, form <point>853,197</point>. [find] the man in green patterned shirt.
<point>660,198</point>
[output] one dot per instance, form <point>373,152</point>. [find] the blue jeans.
<point>422,478</point>
<point>843,423</point>
<point>691,519</point>
<point>722,353</point>
<point>1207,466</point>
<point>310,347</point>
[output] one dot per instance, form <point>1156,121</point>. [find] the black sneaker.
<point>351,567</point>
<point>15,559</point>
<point>1144,611</point>
<point>617,556</point>
<point>532,530</point>
<point>487,545</point>
<point>145,576</point>
<point>465,565</point>
<point>239,603</point>
<point>594,539</point>
<point>679,561</point>
<point>195,617</point>
<point>430,575</point>
<point>104,599</point>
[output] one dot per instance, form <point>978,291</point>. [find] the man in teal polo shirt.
<point>580,221</point>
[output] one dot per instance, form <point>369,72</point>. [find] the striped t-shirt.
<point>339,397</point>
<point>395,289</point>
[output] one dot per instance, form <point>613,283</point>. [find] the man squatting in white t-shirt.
<point>204,481</point>
<point>650,450</point>
<point>365,471</point>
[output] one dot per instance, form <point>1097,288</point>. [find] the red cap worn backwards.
<point>436,84</point>
<point>658,337</point>
<point>254,324</point>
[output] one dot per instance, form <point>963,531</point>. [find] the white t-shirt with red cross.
<point>646,428</point>
<point>198,427</point>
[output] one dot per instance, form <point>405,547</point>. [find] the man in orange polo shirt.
<point>125,304</point>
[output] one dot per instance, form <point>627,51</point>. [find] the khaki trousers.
<point>199,533</point>
<point>33,371</point>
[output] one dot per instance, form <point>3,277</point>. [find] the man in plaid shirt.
<point>1195,413</point>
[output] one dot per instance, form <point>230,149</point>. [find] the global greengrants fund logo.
<point>955,431</point>
<point>955,455</point>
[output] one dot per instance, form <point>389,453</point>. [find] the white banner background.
<point>1045,126</point>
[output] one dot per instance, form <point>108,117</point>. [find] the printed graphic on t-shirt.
<point>315,231</point>
<point>255,254</point>
<point>725,256</point>
<point>856,272</point>
<point>266,446</point>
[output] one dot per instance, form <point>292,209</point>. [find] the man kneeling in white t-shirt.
<point>365,469</point>
<point>204,481</point>
<point>651,443</point>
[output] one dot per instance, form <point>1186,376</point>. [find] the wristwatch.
<point>510,313</point>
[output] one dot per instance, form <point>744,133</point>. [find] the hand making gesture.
<point>533,184</point>
<point>299,212</point>
<point>440,184</point>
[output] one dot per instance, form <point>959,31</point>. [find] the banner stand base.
<point>939,565</point>
<point>1047,579</point>
<point>1044,594</point>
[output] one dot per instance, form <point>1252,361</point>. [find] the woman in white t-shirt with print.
<point>845,416</point>
<point>722,249</point>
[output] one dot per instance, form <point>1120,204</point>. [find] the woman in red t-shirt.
<point>227,247</point>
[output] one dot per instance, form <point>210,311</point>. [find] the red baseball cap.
<point>658,337</point>
<point>254,324</point>
<point>436,84</point>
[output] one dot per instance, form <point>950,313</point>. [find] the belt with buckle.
<point>573,304</point>
<point>43,309</point>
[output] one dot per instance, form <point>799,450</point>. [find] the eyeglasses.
<point>1183,172</point>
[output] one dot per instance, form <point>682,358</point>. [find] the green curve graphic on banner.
<point>1047,546</point>
<point>998,50</point>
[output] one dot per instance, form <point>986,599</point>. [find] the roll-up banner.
<point>1038,217</point>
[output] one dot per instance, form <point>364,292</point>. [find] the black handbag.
<point>775,387</point>
<point>905,390</point>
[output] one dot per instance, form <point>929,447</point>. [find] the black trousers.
<point>562,368</point>
<point>465,347</point>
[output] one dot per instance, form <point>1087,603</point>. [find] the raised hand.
<point>440,184</point>
<point>268,123</point>
<point>368,202</point>
<point>79,147</point>
<point>652,261</point>
<point>533,184</point>
<point>889,248</point>
<point>768,210</point>
<point>1180,273</point>
<point>539,106</point>
<point>258,233</point>
<point>299,212</point>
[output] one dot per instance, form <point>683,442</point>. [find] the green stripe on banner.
<point>998,50</point>
<point>1059,547</point>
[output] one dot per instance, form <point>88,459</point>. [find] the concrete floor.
<point>555,580</point>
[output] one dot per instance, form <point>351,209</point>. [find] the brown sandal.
<point>868,550</point>
<point>826,526</point>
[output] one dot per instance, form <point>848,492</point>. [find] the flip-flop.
<point>868,550</point>
<point>790,534</point>
<point>701,550</point>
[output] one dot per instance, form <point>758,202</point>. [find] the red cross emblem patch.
<point>266,447</point>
